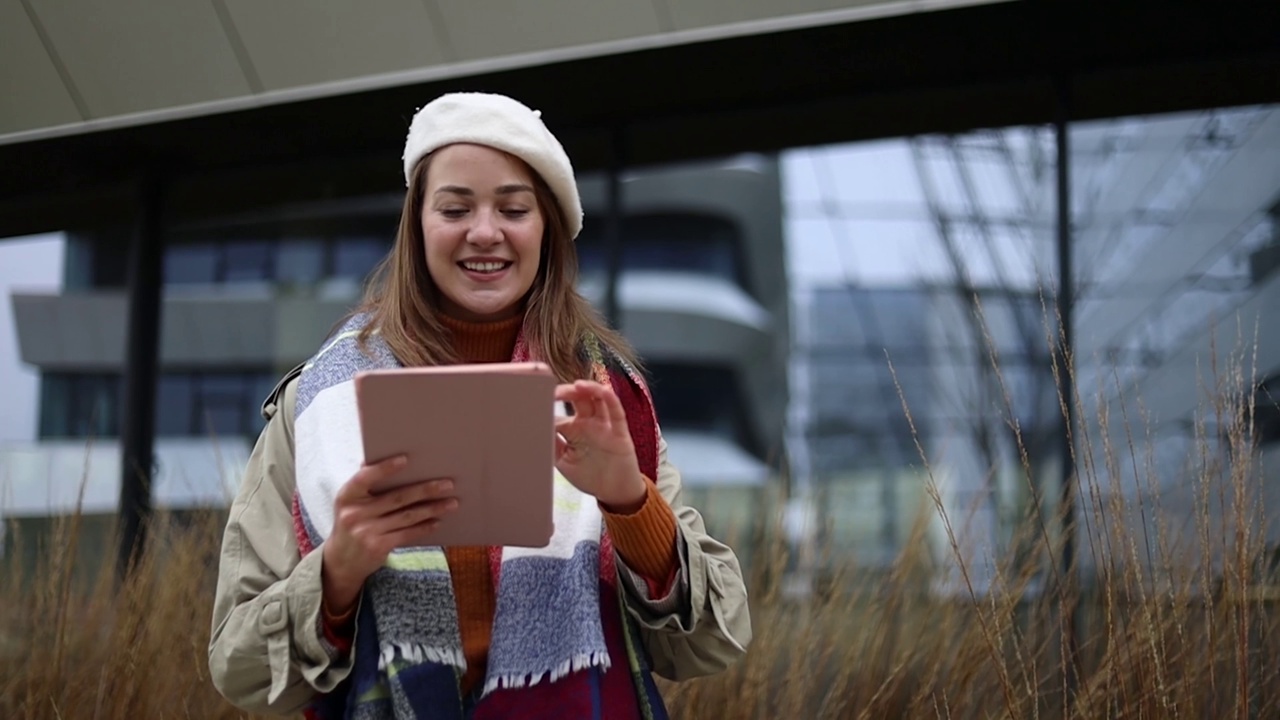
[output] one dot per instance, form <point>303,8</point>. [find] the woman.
<point>333,599</point>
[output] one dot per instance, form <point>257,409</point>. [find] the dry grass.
<point>74,643</point>
<point>1168,628</point>
<point>1177,615</point>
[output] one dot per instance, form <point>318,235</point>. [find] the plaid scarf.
<point>561,644</point>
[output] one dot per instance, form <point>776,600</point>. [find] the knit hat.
<point>501,123</point>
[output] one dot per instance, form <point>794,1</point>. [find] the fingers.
<point>611,407</point>
<point>395,500</point>
<point>362,487</point>
<point>372,475</point>
<point>592,400</point>
<point>359,505</point>
<point>413,535</point>
<point>369,524</point>
<point>384,522</point>
<point>576,396</point>
<point>417,514</point>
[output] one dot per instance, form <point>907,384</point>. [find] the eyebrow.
<point>502,190</point>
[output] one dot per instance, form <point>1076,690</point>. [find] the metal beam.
<point>137,429</point>
<point>783,93</point>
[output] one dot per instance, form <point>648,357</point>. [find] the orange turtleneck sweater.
<point>646,539</point>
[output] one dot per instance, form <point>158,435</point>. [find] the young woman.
<point>332,599</point>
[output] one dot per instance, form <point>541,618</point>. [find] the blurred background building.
<point>839,235</point>
<point>927,354</point>
<point>703,297</point>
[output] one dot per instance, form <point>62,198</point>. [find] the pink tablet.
<point>490,427</point>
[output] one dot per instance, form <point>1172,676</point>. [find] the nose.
<point>485,231</point>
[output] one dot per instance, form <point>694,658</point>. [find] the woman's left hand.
<point>594,449</point>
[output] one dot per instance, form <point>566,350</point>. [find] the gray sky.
<point>30,263</point>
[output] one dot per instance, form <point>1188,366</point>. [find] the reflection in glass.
<point>921,269</point>
<point>1174,220</point>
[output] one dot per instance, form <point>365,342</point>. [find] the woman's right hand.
<point>368,526</point>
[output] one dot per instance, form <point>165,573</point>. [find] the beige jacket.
<point>267,653</point>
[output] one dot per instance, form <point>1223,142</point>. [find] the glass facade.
<point>695,243</point>
<point>1179,307</point>
<point>79,405</point>
<point>925,281</point>
<point>1184,246</point>
<point>922,350</point>
<point>213,403</point>
<point>278,252</point>
<point>293,261</point>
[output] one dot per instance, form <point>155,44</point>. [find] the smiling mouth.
<point>484,267</point>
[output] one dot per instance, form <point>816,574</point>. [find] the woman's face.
<point>482,231</point>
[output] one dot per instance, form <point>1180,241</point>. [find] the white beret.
<point>501,123</point>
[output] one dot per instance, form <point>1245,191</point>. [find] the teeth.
<point>483,266</point>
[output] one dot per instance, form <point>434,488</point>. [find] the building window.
<point>222,400</point>
<point>247,261</point>
<point>682,242</point>
<point>248,255</point>
<point>175,405</point>
<point>701,398</point>
<point>79,406</point>
<point>355,257</point>
<point>209,404</point>
<point>191,264</point>
<point>300,261</point>
<point>100,259</point>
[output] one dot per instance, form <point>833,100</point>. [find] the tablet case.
<point>489,427</point>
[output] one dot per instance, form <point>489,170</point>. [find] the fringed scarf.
<point>561,645</point>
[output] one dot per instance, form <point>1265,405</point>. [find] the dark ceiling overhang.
<point>937,72</point>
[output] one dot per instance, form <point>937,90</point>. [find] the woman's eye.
<point>453,212</point>
<point>515,212</point>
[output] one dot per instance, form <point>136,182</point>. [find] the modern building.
<point>1175,323</point>
<point>899,391</point>
<point>1178,258</point>
<point>703,297</point>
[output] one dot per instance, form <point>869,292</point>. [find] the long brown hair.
<point>403,302</point>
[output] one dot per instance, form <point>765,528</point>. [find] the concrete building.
<point>703,297</point>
